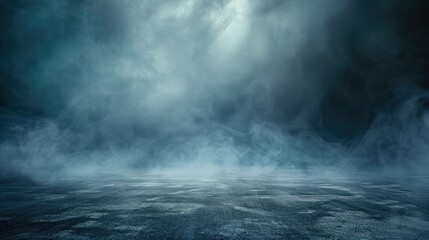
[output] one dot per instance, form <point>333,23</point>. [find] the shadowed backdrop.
<point>294,84</point>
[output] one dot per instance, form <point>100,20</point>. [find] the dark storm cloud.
<point>144,83</point>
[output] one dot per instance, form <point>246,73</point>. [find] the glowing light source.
<point>231,38</point>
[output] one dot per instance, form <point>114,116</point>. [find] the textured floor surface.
<point>272,205</point>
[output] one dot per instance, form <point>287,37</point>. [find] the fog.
<point>100,86</point>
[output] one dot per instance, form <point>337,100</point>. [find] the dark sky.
<point>243,82</point>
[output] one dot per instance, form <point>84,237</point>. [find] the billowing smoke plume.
<point>212,83</point>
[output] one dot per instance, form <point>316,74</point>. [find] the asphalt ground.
<point>244,205</point>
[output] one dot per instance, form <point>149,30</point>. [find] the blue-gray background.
<point>117,84</point>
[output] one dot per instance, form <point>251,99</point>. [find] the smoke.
<point>142,84</point>
<point>399,138</point>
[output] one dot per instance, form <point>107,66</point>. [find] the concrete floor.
<point>272,205</point>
